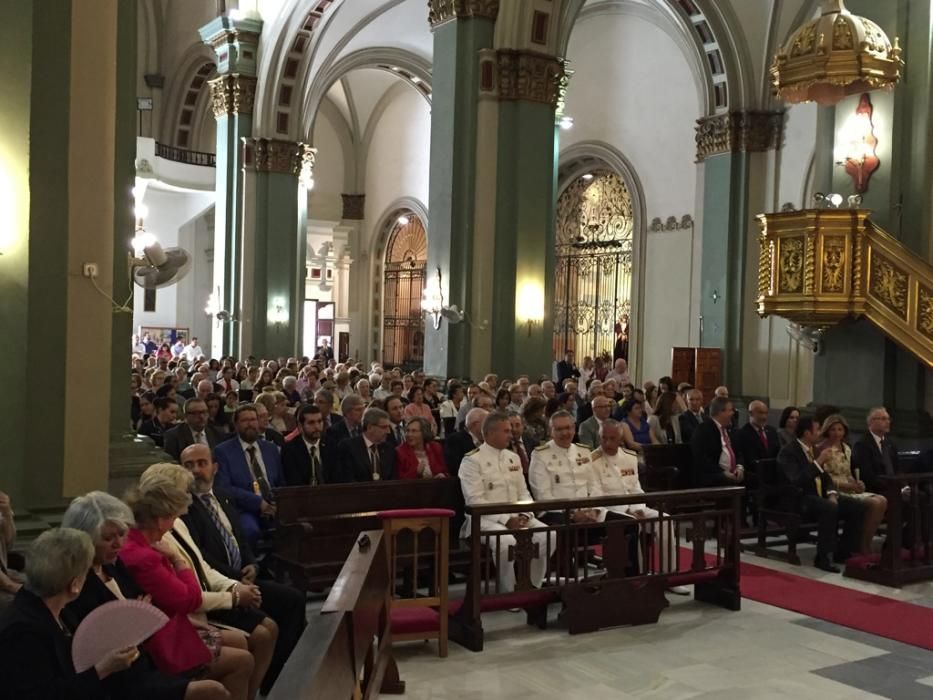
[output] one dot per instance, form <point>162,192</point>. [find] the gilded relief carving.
<point>232,94</point>
<point>925,312</point>
<point>888,284</point>
<point>834,259</point>
<point>752,131</point>
<point>440,11</point>
<point>790,277</point>
<point>275,156</point>
<point>805,41</point>
<point>529,76</point>
<point>842,34</point>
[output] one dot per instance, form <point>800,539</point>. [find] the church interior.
<point>732,198</point>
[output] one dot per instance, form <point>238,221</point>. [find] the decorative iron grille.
<point>593,270</point>
<point>403,322</point>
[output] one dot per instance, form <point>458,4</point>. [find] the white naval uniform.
<point>618,475</point>
<point>488,475</point>
<point>558,473</point>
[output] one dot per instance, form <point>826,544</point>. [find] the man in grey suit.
<point>195,430</point>
<point>589,429</point>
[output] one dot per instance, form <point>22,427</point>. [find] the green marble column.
<point>724,147</point>
<point>528,84</point>
<point>235,41</point>
<point>275,237</point>
<point>460,32</point>
<point>899,198</point>
<point>67,145</point>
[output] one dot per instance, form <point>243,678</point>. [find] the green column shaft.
<point>278,264</point>
<point>725,242</point>
<point>522,318</point>
<point>452,181</point>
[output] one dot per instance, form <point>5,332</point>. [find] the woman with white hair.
<point>106,520</point>
<point>233,605</point>
<point>36,658</point>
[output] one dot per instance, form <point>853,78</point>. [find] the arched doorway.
<point>593,266</point>
<point>403,287</point>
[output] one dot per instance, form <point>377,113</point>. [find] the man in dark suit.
<point>874,454</point>
<point>163,420</point>
<point>368,457</point>
<point>522,443</point>
<point>250,469</point>
<point>352,408</point>
<point>309,460</point>
<point>566,369</point>
<point>466,440</point>
<point>195,429</point>
<point>324,400</point>
<point>756,439</point>
<point>396,410</point>
<point>693,416</point>
<point>212,520</point>
<point>819,499</point>
<point>715,461</point>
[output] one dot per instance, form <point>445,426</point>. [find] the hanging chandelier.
<point>833,56</point>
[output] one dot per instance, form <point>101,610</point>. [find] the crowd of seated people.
<point>184,538</point>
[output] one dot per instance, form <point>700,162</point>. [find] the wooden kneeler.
<point>419,617</point>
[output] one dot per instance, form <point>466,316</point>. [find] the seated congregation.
<point>196,538</point>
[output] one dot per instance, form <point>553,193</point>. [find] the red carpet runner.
<point>893,619</point>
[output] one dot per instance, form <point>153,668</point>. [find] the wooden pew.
<point>337,647</point>
<point>907,555</point>
<point>316,526</point>
<point>612,598</point>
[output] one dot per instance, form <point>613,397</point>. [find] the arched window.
<point>593,271</point>
<point>403,322</point>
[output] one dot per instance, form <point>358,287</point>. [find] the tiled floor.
<point>695,651</point>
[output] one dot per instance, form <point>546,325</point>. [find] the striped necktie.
<point>233,549</point>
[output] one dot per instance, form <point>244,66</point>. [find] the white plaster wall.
<point>397,165</point>
<point>170,220</point>
<point>647,109</point>
<point>325,201</point>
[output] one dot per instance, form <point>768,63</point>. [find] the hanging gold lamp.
<point>833,56</point>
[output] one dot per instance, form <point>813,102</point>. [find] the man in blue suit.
<point>249,469</point>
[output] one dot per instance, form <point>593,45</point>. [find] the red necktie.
<point>728,444</point>
<point>763,437</point>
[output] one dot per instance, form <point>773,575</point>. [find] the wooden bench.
<point>316,526</point>
<point>345,653</point>
<point>594,601</point>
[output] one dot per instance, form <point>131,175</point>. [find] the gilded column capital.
<point>232,93</point>
<point>442,11</point>
<point>738,132</point>
<point>510,74</point>
<point>276,156</point>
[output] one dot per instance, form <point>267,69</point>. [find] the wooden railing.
<point>819,266</point>
<point>907,556</point>
<point>345,652</point>
<point>674,553</point>
<point>183,155</point>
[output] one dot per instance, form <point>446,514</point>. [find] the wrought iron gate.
<point>593,270</point>
<point>403,322</point>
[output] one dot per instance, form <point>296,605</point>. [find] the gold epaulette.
<point>472,452</point>
<point>541,447</point>
<point>631,452</point>
<point>597,453</point>
<point>585,447</point>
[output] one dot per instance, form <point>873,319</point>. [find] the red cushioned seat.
<point>417,513</point>
<point>414,620</point>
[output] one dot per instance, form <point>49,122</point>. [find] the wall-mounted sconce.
<point>278,311</point>
<point>856,146</point>
<point>529,304</point>
<point>213,309</point>
<point>432,299</point>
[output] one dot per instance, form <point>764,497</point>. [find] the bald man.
<point>756,439</point>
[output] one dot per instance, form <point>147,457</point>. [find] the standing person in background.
<point>566,369</point>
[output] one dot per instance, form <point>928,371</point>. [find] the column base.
<point>130,456</point>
